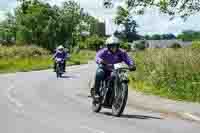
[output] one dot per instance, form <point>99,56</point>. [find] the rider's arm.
<point>54,56</point>
<point>99,57</point>
<point>65,55</point>
<point>127,59</point>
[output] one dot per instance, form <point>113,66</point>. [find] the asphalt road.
<point>38,102</point>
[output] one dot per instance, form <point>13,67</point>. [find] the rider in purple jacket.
<point>107,57</point>
<point>60,53</point>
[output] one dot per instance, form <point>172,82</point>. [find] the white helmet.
<point>60,47</point>
<point>112,40</point>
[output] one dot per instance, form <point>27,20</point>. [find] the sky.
<point>151,22</point>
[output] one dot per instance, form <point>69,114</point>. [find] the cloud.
<point>154,22</point>
<point>1,15</point>
<point>6,6</point>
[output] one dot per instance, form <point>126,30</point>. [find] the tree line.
<point>186,35</point>
<point>36,22</point>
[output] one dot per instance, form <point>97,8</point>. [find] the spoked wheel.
<point>96,105</point>
<point>58,71</point>
<point>57,74</point>
<point>120,100</point>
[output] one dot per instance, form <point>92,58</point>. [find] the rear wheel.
<point>120,100</point>
<point>58,74</point>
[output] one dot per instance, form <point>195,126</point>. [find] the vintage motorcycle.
<point>59,67</point>
<point>113,95</point>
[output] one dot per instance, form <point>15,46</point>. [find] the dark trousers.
<point>102,74</point>
<point>64,65</point>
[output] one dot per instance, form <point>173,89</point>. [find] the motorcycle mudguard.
<point>125,81</point>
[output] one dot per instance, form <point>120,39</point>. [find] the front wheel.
<point>120,100</point>
<point>96,105</point>
<point>58,70</point>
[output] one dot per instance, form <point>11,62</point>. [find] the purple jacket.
<point>119,56</point>
<point>62,55</point>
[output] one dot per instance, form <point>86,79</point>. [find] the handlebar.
<point>113,69</point>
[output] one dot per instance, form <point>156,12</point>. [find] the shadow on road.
<point>134,116</point>
<point>68,77</point>
<point>140,117</point>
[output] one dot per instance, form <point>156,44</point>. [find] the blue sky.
<point>150,23</point>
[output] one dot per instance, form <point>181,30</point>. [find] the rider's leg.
<point>64,65</point>
<point>100,74</point>
<point>113,77</point>
<point>54,66</point>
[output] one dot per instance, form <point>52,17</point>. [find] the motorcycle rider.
<point>60,53</point>
<point>106,58</point>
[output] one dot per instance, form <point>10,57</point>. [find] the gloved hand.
<point>104,62</point>
<point>132,68</point>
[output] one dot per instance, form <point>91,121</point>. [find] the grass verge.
<point>23,58</point>
<point>24,64</point>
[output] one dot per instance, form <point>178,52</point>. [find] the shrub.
<point>126,46</point>
<point>82,57</point>
<point>22,51</point>
<point>82,45</point>
<point>94,42</point>
<point>196,44</point>
<point>175,45</point>
<point>140,45</point>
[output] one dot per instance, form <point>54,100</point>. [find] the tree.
<point>126,46</point>
<point>8,30</point>
<point>168,36</point>
<point>94,42</point>
<point>140,45</point>
<point>182,8</point>
<point>47,26</point>
<point>37,22</point>
<point>125,18</point>
<point>147,37</point>
<point>34,24</point>
<point>189,35</point>
<point>71,14</point>
<point>156,37</point>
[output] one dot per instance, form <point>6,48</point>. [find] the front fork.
<point>118,92</point>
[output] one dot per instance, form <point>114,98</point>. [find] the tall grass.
<point>172,73</point>
<point>24,64</point>
<point>22,51</point>
<point>23,58</point>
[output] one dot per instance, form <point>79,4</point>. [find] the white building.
<point>163,43</point>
